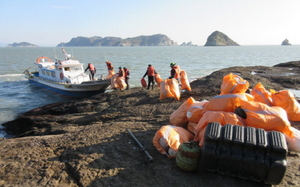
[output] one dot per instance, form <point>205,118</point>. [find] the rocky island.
<point>85,143</point>
<point>153,40</point>
<point>218,38</point>
<point>22,44</point>
<point>285,42</point>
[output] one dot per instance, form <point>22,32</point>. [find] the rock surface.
<point>218,38</point>
<point>85,142</point>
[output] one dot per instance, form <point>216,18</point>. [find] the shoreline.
<point>85,142</point>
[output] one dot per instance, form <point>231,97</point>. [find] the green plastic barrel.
<point>188,156</point>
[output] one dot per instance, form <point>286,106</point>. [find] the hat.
<point>149,65</point>
<point>120,67</point>
<point>172,64</point>
<point>125,68</point>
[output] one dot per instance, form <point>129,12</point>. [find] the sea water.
<point>18,96</point>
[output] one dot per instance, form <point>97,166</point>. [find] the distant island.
<point>285,42</point>
<point>218,38</point>
<point>187,44</point>
<point>21,44</point>
<point>153,40</point>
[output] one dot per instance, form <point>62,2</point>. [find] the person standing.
<point>175,71</point>
<point>150,73</point>
<point>126,75</point>
<point>92,69</point>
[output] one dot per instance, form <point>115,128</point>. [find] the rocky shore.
<point>85,142</point>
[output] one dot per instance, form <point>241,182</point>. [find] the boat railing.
<point>79,78</point>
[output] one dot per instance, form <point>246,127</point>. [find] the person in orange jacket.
<point>92,69</point>
<point>151,73</point>
<point>126,75</point>
<point>109,65</point>
<point>121,72</point>
<point>175,71</point>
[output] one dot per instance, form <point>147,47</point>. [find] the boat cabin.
<point>68,71</point>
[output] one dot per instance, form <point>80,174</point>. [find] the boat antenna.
<point>72,54</point>
<point>67,56</point>
<point>55,54</point>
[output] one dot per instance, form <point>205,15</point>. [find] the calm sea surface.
<point>17,96</point>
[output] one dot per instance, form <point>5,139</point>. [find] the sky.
<point>247,22</point>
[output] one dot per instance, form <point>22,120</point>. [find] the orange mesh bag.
<point>174,88</point>
<point>215,116</point>
<point>165,90</point>
<point>260,94</point>
<point>178,117</point>
<point>233,84</point>
<point>193,113</point>
<point>260,115</point>
<point>185,85</point>
<point>168,138</point>
<point>286,100</point>
<point>158,79</point>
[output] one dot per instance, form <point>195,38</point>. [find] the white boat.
<point>65,77</point>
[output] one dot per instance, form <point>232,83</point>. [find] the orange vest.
<point>177,72</point>
<point>126,72</point>
<point>91,67</point>
<point>151,71</point>
<point>109,65</point>
<point>121,73</point>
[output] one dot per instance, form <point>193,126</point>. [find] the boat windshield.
<point>75,69</point>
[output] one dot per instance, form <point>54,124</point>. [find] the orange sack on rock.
<point>233,84</point>
<point>178,117</point>
<point>165,90</point>
<point>215,116</point>
<point>191,127</point>
<point>110,74</point>
<point>113,83</point>
<point>286,100</point>
<point>260,94</point>
<point>185,84</point>
<point>158,79</point>
<point>193,113</point>
<point>168,138</point>
<point>174,88</point>
<point>121,83</point>
<point>260,115</point>
<point>225,103</point>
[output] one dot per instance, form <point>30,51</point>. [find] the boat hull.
<point>85,89</point>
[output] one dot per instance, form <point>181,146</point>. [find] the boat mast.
<point>67,56</point>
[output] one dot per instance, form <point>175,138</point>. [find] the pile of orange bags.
<point>271,111</point>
